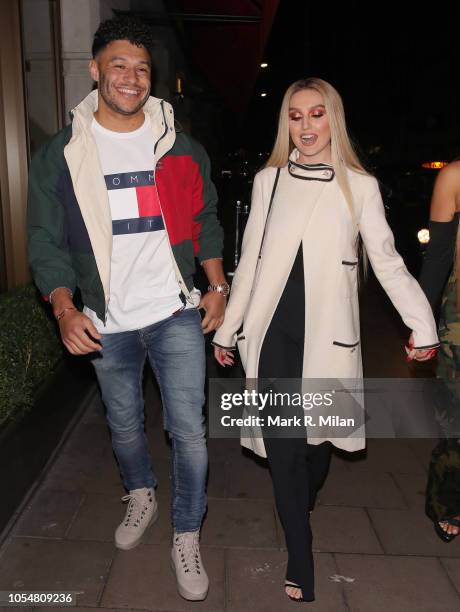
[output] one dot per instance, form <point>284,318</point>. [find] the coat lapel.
<point>287,226</point>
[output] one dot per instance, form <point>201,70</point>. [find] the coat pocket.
<point>349,277</point>
<point>346,328</point>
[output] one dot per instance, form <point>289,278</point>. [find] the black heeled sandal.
<point>288,583</point>
<point>447,537</point>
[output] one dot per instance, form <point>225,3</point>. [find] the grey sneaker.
<point>142,511</point>
<point>192,579</point>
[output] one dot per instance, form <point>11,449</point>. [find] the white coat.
<point>332,340</point>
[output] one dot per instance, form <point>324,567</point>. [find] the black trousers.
<point>298,469</point>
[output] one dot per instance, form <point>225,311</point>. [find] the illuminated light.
<point>434,165</point>
<point>423,236</point>
<point>263,94</point>
<point>264,65</point>
<point>179,85</point>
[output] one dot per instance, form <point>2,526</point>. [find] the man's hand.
<point>213,304</point>
<point>78,332</point>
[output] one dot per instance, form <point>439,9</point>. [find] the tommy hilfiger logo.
<point>134,204</point>
<point>125,180</point>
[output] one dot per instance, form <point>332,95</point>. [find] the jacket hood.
<point>85,109</point>
<point>160,112</point>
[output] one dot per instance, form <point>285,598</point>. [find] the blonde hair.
<point>342,151</point>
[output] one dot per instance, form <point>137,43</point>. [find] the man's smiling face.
<point>122,71</point>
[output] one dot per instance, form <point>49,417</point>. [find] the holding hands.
<point>419,354</point>
<point>224,356</point>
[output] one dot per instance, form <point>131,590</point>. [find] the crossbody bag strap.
<point>278,170</point>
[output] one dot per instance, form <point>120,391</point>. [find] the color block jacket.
<point>69,220</point>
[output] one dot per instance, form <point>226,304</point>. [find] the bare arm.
<point>446,192</point>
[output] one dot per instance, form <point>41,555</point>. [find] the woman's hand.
<point>419,354</point>
<point>223,356</point>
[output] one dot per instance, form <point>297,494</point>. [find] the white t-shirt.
<point>143,285</point>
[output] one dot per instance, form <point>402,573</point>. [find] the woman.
<point>295,292</point>
<point>443,491</point>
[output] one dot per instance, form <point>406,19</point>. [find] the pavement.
<point>374,548</point>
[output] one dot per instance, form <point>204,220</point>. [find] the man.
<point>120,203</point>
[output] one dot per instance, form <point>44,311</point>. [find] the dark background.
<point>396,65</point>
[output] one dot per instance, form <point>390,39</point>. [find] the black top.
<point>297,274</point>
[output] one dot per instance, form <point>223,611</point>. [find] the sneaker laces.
<point>136,509</point>
<point>188,548</point>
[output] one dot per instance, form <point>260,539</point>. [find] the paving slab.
<point>217,484</point>
<point>222,450</point>
<point>88,439</point>
<point>340,460</point>
<point>249,479</point>
<point>240,523</point>
<point>422,449</point>
<point>341,529</point>
<point>80,472</point>
<point>97,518</point>
<point>95,414</point>
<point>142,578</point>
<point>409,532</point>
<point>31,564</point>
<point>48,514</point>
<point>255,581</point>
<point>452,567</point>
<point>368,489</point>
<point>388,455</point>
<point>397,584</point>
<point>413,489</point>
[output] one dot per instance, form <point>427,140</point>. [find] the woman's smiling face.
<point>309,127</point>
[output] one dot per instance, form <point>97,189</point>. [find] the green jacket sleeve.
<point>49,254</point>
<point>207,232</point>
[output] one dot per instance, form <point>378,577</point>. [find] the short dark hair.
<point>122,28</point>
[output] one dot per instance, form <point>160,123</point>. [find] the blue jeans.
<point>175,349</point>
